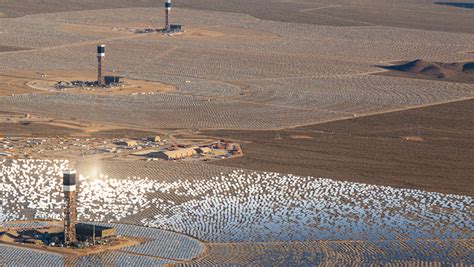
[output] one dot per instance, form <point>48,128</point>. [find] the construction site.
<point>210,133</point>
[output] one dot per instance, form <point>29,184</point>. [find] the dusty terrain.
<point>425,148</point>
<point>10,48</point>
<point>26,125</point>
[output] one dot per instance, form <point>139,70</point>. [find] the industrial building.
<point>155,138</point>
<point>112,80</point>
<point>204,150</point>
<point>85,231</point>
<point>174,28</point>
<point>128,143</point>
<point>217,150</point>
<point>175,154</point>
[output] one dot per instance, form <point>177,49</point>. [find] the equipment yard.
<point>222,132</point>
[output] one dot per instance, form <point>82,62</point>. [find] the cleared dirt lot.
<point>4,48</point>
<point>33,129</point>
<point>25,125</point>
<point>21,82</point>
<point>428,148</point>
<point>42,130</point>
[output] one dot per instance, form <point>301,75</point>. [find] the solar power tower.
<point>101,64</point>
<point>70,212</point>
<point>167,13</point>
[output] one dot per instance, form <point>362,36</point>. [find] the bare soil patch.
<point>122,133</point>
<point>26,125</point>
<point>10,48</point>
<point>31,81</point>
<point>230,34</point>
<point>53,129</point>
<point>91,29</point>
<point>301,137</point>
<point>35,129</point>
<point>413,138</point>
<point>373,149</point>
<point>11,84</point>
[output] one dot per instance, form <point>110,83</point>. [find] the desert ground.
<point>343,162</point>
<point>403,145</point>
